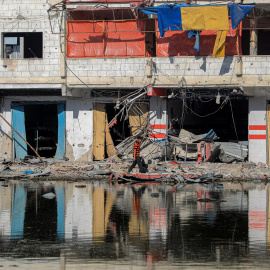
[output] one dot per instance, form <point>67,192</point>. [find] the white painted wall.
<point>79,123</point>
<point>257,117</point>
<point>158,114</point>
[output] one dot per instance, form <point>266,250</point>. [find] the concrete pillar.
<point>63,66</point>
<point>253,37</point>
<point>158,117</point>
<point>257,129</point>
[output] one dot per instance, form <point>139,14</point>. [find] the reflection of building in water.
<point>25,214</point>
<point>5,211</point>
<point>154,221</point>
<point>78,212</point>
<point>257,216</point>
<point>18,212</point>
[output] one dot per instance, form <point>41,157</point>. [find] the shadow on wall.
<point>4,133</point>
<point>203,66</point>
<point>226,65</point>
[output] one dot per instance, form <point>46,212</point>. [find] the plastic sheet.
<point>115,41</point>
<point>85,44</point>
<point>176,43</point>
<point>120,43</point>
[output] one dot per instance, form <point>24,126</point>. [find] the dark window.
<point>263,42</point>
<point>22,45</point>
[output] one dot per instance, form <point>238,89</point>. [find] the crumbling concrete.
<point>66,170</point>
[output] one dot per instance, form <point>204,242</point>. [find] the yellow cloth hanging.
<point>219,48</point>
<point>205,18</point>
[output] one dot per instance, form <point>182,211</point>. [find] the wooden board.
<point>18,122</point>
<point>99,117</point>
<point>138,117</point>
<point>109,142</point>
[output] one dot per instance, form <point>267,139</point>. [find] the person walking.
<point>136,156</point>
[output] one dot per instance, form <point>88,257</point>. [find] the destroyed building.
<point>78,77</point>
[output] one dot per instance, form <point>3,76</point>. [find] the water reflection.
<point>144,226</point>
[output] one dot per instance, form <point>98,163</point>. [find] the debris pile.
<point>176,171</point>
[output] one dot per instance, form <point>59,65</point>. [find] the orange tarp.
<point>105,39</point>
<point>176,43</point>
<point>82,44</point>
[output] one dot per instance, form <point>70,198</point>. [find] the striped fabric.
<point>136,150</point>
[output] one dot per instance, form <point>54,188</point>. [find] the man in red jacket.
<point>136,156</point>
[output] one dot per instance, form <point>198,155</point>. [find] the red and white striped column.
<point>158,117</point>
<point>257,129</point>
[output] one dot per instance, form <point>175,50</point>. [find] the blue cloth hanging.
<point>195,34</point>
<point>238,13</point>
<point>169,17</point>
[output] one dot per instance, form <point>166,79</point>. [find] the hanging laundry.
<point>238,13</point>
<point>196,18</point>
<point>169,17</point>
<point>219,48</point>
<point>205,18</point>
<point>195,34</point>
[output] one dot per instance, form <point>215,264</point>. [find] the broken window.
<point>22,45</point>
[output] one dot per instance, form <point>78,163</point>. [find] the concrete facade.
<point>257,129</point>
<point>79,126</point>
<point>42,73</point>
<point>74,78</point>
<point>158,117</point>
<point>31,16</point>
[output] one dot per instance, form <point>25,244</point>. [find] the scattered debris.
<point>49,196</point>
<point>28,172</point>
<point>80,186</point>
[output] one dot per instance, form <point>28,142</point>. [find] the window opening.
<point>22,45</point>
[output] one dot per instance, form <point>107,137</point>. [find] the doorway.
<point>42,125</point>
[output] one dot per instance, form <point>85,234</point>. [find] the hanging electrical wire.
<point>81,80</point>
<point>233,121</point>
<point>220,107</point>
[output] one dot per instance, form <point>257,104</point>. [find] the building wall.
<point>158,117</point>
<point>30,16</point>
<point>257,129</point>
<point>169,70</point>
<point>79,126</point>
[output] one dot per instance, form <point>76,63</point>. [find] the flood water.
<point>105,225</point>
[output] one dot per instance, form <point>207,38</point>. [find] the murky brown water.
<point>101,225</point>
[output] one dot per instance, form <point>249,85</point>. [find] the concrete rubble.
<point>104,170</point>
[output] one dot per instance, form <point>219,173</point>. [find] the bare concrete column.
<point>253,37</point>
<point>63,68</point>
